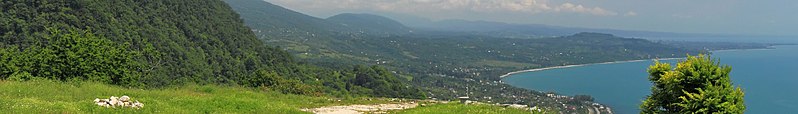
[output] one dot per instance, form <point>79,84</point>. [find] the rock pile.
<point>114,102</point>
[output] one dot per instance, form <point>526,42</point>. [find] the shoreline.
<point>578,65</point>
<point>730,50</point>
<point>612,62</point>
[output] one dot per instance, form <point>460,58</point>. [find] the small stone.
<point>124,99</point>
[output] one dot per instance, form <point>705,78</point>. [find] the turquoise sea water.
<point>768,77</point>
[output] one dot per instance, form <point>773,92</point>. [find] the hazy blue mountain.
<point>501,29</point>
<point>514,30</point>
<point>370,23</point>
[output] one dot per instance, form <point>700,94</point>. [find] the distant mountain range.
<point>370,23</point>
<point>501,29</point>
<point>515,30</point>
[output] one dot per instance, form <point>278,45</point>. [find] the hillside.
<point>199,41</point>
<point>274,19</point>
<point>165,43</point>
<point>303,35</point>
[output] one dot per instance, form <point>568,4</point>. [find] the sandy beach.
<point>578,65</point>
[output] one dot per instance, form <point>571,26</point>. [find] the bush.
<point>74,55</point>
<point>696,85</point>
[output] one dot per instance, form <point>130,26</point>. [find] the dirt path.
<point>359,109</point>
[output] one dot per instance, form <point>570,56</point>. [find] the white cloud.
<point>630,13</point>
<point>569,7</point>
<point>447,6</point>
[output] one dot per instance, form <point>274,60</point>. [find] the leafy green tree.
<point>383,83</point>
<point>697,85</point>
<point>73,55</point>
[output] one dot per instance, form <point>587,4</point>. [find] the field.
<point>43,96</point>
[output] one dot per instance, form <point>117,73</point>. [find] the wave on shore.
<point>578,65</point>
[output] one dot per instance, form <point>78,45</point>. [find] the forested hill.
<point>325,42</point>
<point>200,41</point>
<point>279,19</point>
<point>156,43</point>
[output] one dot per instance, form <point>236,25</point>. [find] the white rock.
<point>138,104</point>
<point>114,101</point>
<point>124,98</point>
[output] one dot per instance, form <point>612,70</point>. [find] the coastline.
<point>578,65</point>
<point>626,61</point>
<point>729,50</point>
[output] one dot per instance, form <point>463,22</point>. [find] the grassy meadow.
<point>44,96</point>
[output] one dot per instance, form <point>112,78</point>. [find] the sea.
<point>769,78</point>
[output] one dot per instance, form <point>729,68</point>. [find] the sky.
<point>731,17</point>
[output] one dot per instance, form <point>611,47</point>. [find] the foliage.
<point>383,83</point>
<point>200,41</point>
<point>155,43</point>
<point>73,55</point>
<point>696,85</point>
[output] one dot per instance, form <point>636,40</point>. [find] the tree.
<point>697,85</point>
<point>73,55</point>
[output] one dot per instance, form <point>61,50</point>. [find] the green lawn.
<point>59,97</point>
<point>456,108</point>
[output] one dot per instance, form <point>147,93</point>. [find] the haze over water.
<point>768,78</point>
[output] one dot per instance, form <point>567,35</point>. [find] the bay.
<point>768,78</point>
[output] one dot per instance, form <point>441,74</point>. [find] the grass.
<point>457,108</point>
<point>43,96</point>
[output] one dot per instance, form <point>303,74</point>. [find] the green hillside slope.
<point>165,42</point>
<point>181,41</point>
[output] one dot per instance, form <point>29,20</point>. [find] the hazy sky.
<point>750,17</point>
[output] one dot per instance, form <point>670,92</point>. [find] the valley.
<point>450,64</point>
<point>252,56</point>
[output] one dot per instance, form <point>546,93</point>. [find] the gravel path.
<point>359,109</point>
